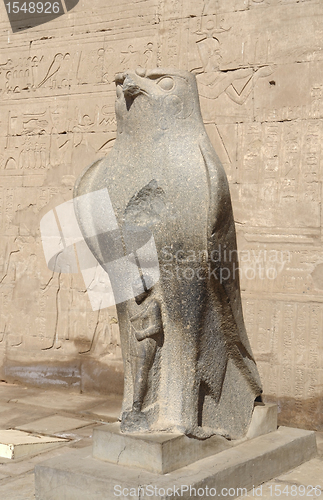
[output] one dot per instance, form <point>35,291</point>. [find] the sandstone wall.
<point>260,74</point>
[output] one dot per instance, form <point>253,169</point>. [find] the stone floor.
<point>73,416</point>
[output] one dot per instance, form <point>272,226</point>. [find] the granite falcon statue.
<point>195,373</point>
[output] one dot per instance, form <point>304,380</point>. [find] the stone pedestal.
<point>168,466</point>
<point>157,452</point>
<point>163,452</point>
<point>80,476</point>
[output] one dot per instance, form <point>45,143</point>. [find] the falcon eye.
<point>166,83</point>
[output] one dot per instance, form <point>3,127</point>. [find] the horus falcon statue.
<point>188,365</point>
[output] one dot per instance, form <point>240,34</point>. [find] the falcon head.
<point>159,96</point>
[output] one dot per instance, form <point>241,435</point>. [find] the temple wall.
<point>259,65</point>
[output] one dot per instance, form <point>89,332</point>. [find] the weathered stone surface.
<point>155,452</point>
<point>249,464</point>
<point>269,140</point>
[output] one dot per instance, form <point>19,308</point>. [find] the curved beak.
<point>127,84</point>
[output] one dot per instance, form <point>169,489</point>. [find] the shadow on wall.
<point>26,14</point>
<point>304,414</point>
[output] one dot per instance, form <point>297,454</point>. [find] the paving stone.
<point>14,391</point>
<point>81,443</point>
<point>319,441</point>
<point>16,415</point>
<point>23,465</point>
<point>307,474</point>
<point>3,407</point>
<point>60,400</point>
<point>79,435</point>
<point>54,424</point>
<point>3,475</point>
<point>108,412</point>
<point>22,488</point>
<point>86,432</point>
<point>15,443</point>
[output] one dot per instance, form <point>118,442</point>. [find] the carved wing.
<point>222,241</point>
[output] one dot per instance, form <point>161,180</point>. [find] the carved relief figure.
<point>58,71</point>
<point>222,92</point>
<point>213,82</point>
<point>146,336</point>
<point>130,57</point>
<point>187,359</point>
<point>104,67</point>
<point>148,55</point>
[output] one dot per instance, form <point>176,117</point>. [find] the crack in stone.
<point>124,448</point>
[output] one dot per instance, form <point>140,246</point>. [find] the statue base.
<point>163,452</point>
<point>78,475</point>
